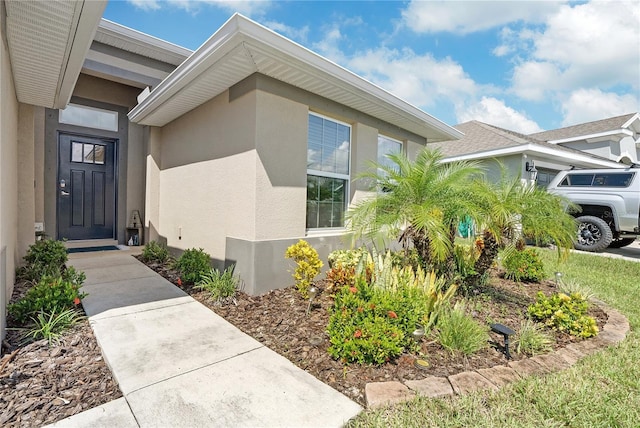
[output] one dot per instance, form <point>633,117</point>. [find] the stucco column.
<point>153,136</point>
<point>26,179</point>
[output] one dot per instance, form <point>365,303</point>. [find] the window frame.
<point>332,175</point>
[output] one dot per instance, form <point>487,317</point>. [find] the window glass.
<point>328,159</point>
<point>577,180</point>
<point>387,146</point>
<point>599,180</point>
<point>76,152</point>
<point>90,117</point>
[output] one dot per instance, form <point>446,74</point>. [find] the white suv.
<point>610,202</point>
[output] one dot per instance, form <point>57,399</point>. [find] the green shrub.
<point>372,322</point>
<point>50,325</point>
<point>532,340</point>
<point>44,257</point>
<point>564,312</point>
<point>221,285</point>
<point>361,330</point>
<point>192,264</point>
<point>155,252</point>
<point>458,332</point>
<point>525,265</point>
<point>308,265</point>
<point>49,295</point>
<point>346,258</point>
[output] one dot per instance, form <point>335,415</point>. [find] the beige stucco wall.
<point>207,178</point>
<point>281,172</point>
<point>8,183</point>
<point>151,214</point>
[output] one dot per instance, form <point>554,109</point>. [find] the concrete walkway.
<point>180,364</point>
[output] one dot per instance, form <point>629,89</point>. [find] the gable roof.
<point>482,141</point>
<point>586,129</point>
<point>242,47</point>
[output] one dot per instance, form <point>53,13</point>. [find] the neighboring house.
<point>523,155</point>
<point>241,147</point>
<point>616,138</point>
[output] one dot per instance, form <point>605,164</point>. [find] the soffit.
<point>242,47</point>
<point>47,44</point>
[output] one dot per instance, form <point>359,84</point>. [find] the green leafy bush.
<point>192,264</point>
<point>372,321</point>
<point>49,295</point>
<point>525,265</point>
<point>44,257</point>
<point>155,252</point>
<point>308,265</point>
<point>347,258</point>
<point>531,339</point>
<point>50,325</point>
<point>222,285</point>
<point>458,332</point>
<point>361,330</point>
<point>564,312</point>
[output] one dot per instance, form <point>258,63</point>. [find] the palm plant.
<point>419,202</point>
<point>510,209</point>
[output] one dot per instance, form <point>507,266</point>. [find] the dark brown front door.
<point>86,187</point>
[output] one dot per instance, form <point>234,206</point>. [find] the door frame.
<point>116,144</point>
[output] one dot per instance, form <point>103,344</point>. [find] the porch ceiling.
<point>47,45</point>
<point>242,47</point>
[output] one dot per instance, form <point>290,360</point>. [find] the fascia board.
<point>223,41</point>
<point>534,148</point>
<point>628,123</point>
<point>86,23</point>
<point>318,66</point>
<point>239,29</point>
<point>137,38</point>
<point>624,132</point>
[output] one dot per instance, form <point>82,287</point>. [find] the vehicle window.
<point>598,180</point>
<point>613,180</point>
<point>577,180</point>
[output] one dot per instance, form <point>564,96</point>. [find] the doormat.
<point>89,249</point>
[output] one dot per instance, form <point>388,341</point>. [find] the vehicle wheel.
<point>622,242</point>
<point>594,234</point>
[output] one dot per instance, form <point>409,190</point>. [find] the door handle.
<point>64,193</point>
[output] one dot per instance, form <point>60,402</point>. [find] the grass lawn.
<point>602,390</point>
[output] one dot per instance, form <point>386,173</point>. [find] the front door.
<point>86,187</point>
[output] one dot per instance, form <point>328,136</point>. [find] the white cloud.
<point>587,45</point>
<point>247,7</point>
<point>495,112</point>
<point>585,105</point>
<point>463,17</point>
<point>298,34</point>
<point>422,80</point>
<point>146,4</point>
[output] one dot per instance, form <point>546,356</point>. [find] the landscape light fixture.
<point>558,279</point>
<point>532,170</point>
<point>313,292</point>
<point>505,332</point>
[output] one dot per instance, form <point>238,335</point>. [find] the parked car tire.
<point>621,242</point>
<point>594,234</point>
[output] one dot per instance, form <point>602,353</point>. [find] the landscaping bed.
<point>280,321</point>
<point>41,384</point>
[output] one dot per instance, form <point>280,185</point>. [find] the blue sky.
<point>525,66</point>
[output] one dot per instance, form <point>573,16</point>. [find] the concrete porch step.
<point>90,243</point>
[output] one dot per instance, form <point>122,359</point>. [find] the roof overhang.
<point>241,47</point>
<point>615,135</point>
<point>542,151</point>
<point>47,43</point>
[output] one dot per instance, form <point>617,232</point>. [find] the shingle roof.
<point>581,129</point>
<point>481,137</point>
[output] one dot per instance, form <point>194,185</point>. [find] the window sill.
<point>326,231</point>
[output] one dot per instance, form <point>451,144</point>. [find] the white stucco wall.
<point>8,183</point>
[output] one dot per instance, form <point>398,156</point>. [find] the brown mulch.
<point>42,384</point>
<point>279,320</point>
